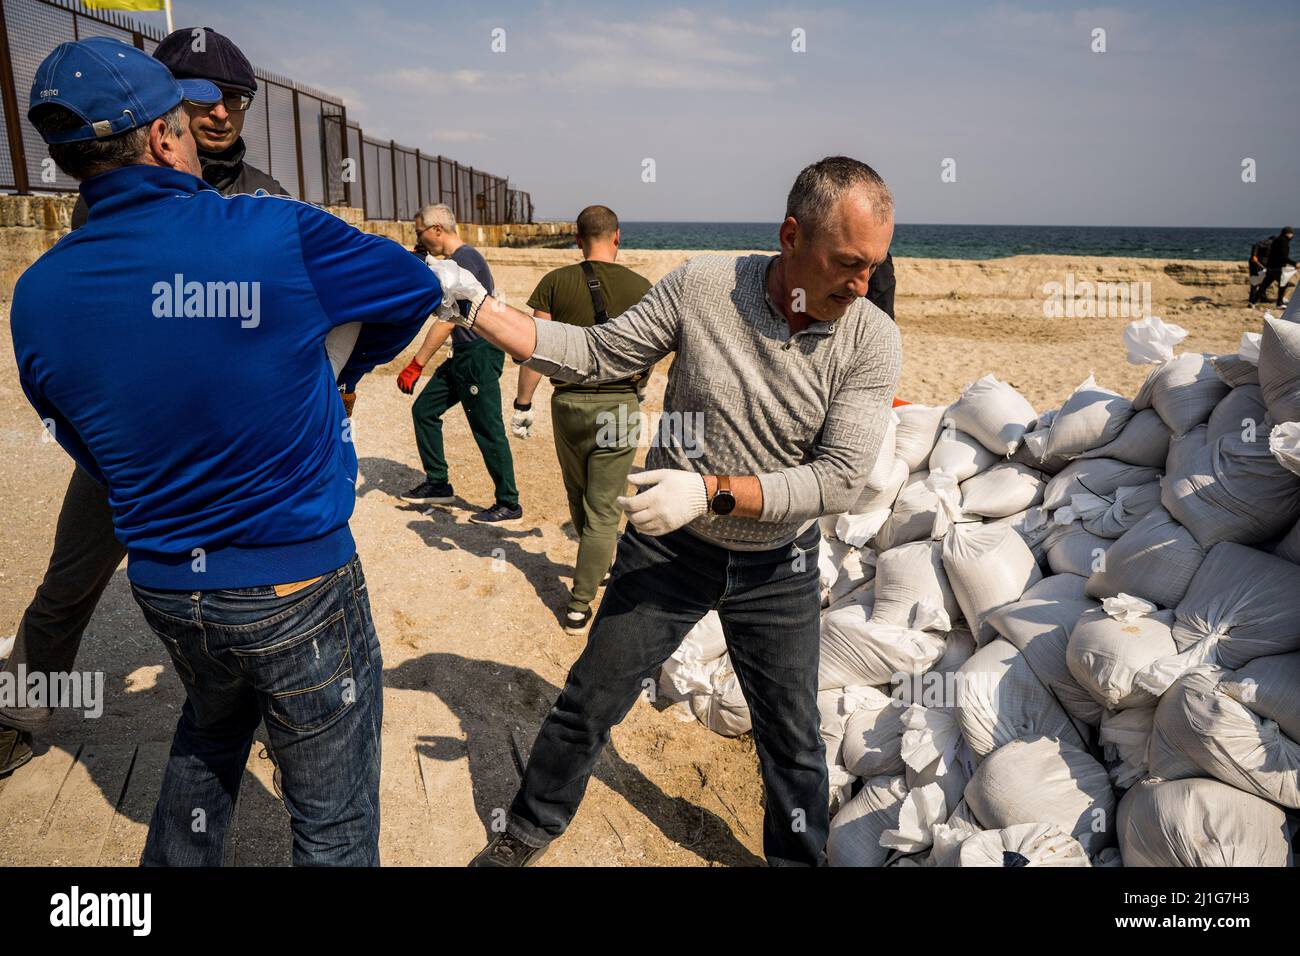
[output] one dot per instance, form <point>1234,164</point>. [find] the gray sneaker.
<point>506,850</point>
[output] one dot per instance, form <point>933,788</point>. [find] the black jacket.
<point>1279,253</point>
<point>880,287</point>
<point>226,172</point>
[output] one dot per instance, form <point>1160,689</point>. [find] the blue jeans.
<point>309,665</point>
<point>769,603</point>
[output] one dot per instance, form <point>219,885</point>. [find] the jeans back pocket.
<point>306,675</point>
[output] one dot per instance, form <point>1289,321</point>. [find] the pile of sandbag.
<point>1065,638</point>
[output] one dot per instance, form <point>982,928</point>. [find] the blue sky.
<point>1043,130</point>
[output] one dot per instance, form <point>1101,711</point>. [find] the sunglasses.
<point>234,102</point>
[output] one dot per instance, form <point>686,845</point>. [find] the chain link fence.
<point>297,134</point>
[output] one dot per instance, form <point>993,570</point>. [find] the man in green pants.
<point>470,377</point>
<point>595,426</point>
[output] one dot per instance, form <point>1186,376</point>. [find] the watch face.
<point>724,502</point>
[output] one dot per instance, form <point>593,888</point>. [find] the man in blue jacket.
<point>174,346</point>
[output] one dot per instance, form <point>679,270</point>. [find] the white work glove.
<point>668,500</point>
<point>457,284</point>
<point>521,422</point>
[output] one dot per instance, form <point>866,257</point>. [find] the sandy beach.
<point>473,653</point>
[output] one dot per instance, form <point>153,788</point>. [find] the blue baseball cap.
<point>112,86</point>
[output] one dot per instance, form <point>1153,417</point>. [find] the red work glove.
<point>408,376</point>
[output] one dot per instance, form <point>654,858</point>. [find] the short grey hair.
<point>84,158</point>
<point>438,214</point>
<point>819,187</point>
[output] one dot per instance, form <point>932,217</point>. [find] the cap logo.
<point>102,128</point>
<point>52,92</point>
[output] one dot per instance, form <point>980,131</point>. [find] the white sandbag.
<point>882,499</point>
<point>1270,688</point>
<point>993,413</point>
<point>1105,654</point>
<point>1200,823</point>
<point>1288,547</point>
<point>1058,587</point>
<point>917,432</point>
<point>1234,490</point>
<point>960,455</point>
<point>873,737</point>
<point>1034,525</point>
<point>935,752</point>
<point>1200,725</point>
<point>1279,369</point>
<point>1112,517</point>
<point>1024,844</point>
<point>1144,441</point>
<point>1240,606</point>
<point>922,810</point>
<point>1000,699</point>
<point>1098,476</point>
<point>858,650</point>
<point>882,469</point>
<point>913,514</point>
<point>1152,340</point>
<point>1040,630</point>
<point>1091,416</point>
<point>834,708</point>
<point>723,709</point>
<point>1072,549</point>
<point>1005,489</point>
<point>830,558</point>
<point>1235,370</point>
<point>1183,451</point>
<point>1155,560</point>
<point>855,831</point>
<point>1241,412</point>
<point>909,579</point>
<point>1284,443</point>
<point>855,581</point>
<point>1183,390</point>
<point>339,343</point>
<point>988,566</point>
<point>691,667</point>
<point>1033,452</point>
<point>1040,780</point>
<point>1249,346</point>
<point>1124,736</point>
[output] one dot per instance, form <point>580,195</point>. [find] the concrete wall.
<point>29,225</point>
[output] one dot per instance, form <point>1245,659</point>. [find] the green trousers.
<point>595,442</point>
<point>471,377</point>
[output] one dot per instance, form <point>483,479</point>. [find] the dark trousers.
<point>595,442</point>
<point>85,556</point>
<point>1260,292</point>
<point>660,587</point>
<point>308,664</point>
<point>470,377</point>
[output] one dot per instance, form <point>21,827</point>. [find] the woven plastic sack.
<point>856,830</point>
<point>873,737</point>
<point>1040,780</point>
<point>1091,416</point>
<point>1024,844</point>
<point>993,413</point>
<point>1124,737</point>
<point>917,432</point>
<point>909,577</point>
<point>1183,390</point>
<point>1144,441</point>
<point>1200,823</point>
<point>1005,489</point>
<point>1106,652</point>
<point>1072,549</point>
<point>1279,369</point>
<point>1097,476</point>
<point>1284,443</point>
<point>1155,560</point>
<point>988,567</point>
<point>960,455</point>
<point>1152,340</point>
<point>1242,411</point>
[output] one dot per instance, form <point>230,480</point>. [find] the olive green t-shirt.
<point>563,295</point>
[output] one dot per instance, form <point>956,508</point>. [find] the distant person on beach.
<point>470,378</point>
<point>1279,257</point>
<point>776,405</point>
<point>1258,257</point>
<point>86,553</point>
<point>880,290</point>
<point>175,347</point>
<point>596,424</point>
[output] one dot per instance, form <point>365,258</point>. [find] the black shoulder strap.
<point>597,296</point>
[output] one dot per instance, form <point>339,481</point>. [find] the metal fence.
<point>295,133</point>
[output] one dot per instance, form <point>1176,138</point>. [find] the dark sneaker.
<point>505,850</point>
<point>15,749</point>
<point>575,622</point>
<point>427,493</point>
<point>497,514</point>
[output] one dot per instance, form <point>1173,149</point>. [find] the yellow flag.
<point>125,4</point>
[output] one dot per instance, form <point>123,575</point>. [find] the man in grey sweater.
<point>774,412</point>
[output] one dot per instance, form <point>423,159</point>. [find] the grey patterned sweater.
<point>806,414</point>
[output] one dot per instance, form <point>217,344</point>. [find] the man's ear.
<point>165,146</point>
<point>787,233</point>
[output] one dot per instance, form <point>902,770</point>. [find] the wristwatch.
<point>723,501</point>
